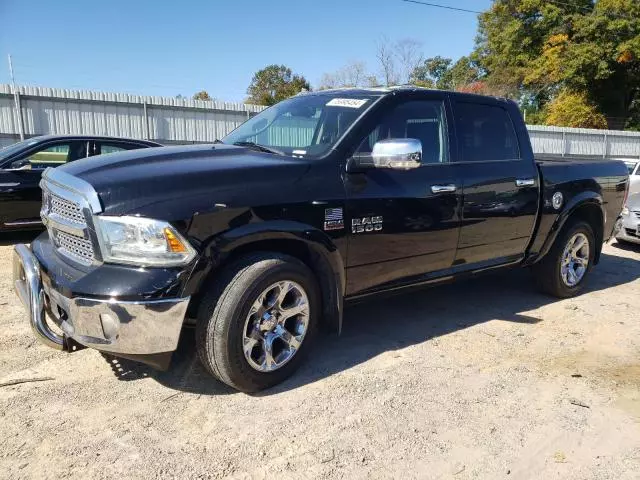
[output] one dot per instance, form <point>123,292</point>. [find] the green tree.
<point>273,84</point>
<point>442,73</point>
<point>461,73</point>
<point>431,72</point>
<point>539,48</point>
<point>202,95</point>
<point>633,121</point>
<point>570,109</point>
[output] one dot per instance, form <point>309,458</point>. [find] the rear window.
<point>485,133</point>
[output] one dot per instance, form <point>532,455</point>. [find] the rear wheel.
<point>258,320</point>
<point>562,272</point>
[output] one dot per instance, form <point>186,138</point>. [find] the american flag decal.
<point>333,219</point>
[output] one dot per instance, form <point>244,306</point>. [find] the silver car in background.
<point>634,176</point>
<point>628,226</point>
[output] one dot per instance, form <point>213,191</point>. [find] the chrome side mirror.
<point>397,153</point>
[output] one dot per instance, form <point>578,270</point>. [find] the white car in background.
<point>628,226</point>
<point>634,176</point>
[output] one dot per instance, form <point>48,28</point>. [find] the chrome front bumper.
<point>119,327</point>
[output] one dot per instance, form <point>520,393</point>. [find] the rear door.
<point>20,195</point>
<point>404,223</point>
<point>499,186</point>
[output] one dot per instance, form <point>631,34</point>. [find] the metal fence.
<point>178,120</point>
<point>163,119</point>
<point>584,142</point>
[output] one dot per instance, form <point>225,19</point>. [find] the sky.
<point>181,47</point>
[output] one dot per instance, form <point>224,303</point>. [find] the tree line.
<point>572,63</point>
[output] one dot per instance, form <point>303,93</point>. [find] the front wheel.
<point>257,321</point>
<point>562,272</point>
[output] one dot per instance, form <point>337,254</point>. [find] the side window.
<point>485,132</point>
<point>423,120</point>
<point>52,156</point>
<point>106,148</point>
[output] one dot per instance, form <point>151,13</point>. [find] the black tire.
<point>224,309</point>
<point>547,272</point>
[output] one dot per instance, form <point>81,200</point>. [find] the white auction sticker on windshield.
<point>346,102</point>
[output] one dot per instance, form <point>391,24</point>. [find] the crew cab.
<point>259,239</point>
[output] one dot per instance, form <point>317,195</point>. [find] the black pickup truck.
<point>259,239</point>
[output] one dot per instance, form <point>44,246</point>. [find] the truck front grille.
<point>66,209</point>
<point>78,248</point>
<point>64,215</point>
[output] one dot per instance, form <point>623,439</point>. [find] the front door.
<point>500,187</point>
<point>20,195</point>
<point>404,223</point>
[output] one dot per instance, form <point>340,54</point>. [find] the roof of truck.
<point>359,91</point>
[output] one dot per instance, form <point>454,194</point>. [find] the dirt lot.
<point>483,379</point>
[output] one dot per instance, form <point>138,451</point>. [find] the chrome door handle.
<point>443,188</point>
<point>525,182</point>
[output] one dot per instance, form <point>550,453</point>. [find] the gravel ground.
<point>481,379</point>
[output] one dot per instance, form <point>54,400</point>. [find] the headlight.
<point>141,241</point>
<point>625,211</point>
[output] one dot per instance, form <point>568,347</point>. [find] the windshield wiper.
<point>258,147</point>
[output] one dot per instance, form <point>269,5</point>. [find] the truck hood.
<point>186,178</point>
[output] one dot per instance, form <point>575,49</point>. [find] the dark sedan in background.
<point>22,164</point>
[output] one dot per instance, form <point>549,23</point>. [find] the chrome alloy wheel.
<point>276,326</point>
<point>575,260</point>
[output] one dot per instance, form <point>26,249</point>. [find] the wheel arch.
<point>308,244</point>
<point>587,206</point>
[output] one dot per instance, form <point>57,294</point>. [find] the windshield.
<point>305,125</point>
<point>8,151</point>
